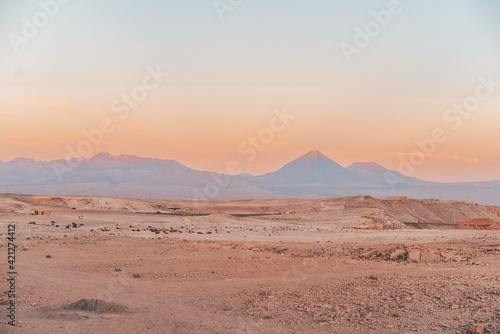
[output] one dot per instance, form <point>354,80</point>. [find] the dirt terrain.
<point>334,265</point>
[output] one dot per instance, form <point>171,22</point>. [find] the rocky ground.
<point>281,266</point>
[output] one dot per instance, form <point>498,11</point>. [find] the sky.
<point>412,85</point>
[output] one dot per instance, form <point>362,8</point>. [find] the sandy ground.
<point>261,266</point>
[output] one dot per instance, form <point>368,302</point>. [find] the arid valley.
<point>250,167</point>
<point>333,265</point>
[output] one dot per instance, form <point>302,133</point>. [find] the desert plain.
<point>332,265</point>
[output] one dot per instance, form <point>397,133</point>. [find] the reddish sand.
<point>260,266</point>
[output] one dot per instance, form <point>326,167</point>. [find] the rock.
<point>381,227</point>
<point>96,306</point>
<point>477,329</point>
<point>414,255</point>
<point>397,254</point>
<point>375,252</point>
<point>430,256</point>
<point>370,253</point>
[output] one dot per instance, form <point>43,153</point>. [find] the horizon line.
<point>314,153</point>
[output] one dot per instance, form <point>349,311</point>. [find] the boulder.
<point>477,329</point>
<point>375,252</point>
<point>414,255</point>
<point>398,254</point>
<point>430,256</point>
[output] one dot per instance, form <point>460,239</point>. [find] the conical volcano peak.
<point>314,154</point>
<point>311,168</point>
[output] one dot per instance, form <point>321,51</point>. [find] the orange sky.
<point>226,79</point>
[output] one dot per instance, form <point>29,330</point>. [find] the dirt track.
<point>296,272</point>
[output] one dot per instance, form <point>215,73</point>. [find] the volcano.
<point>311,168</point>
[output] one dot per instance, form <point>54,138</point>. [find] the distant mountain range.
<point>311,175</point>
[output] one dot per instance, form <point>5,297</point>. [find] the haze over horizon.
<point>236,169</point>
<point>220,88</point>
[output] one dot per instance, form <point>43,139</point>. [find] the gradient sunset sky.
<point>227,77</point>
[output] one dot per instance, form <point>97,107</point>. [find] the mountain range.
<point>311,175</point>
